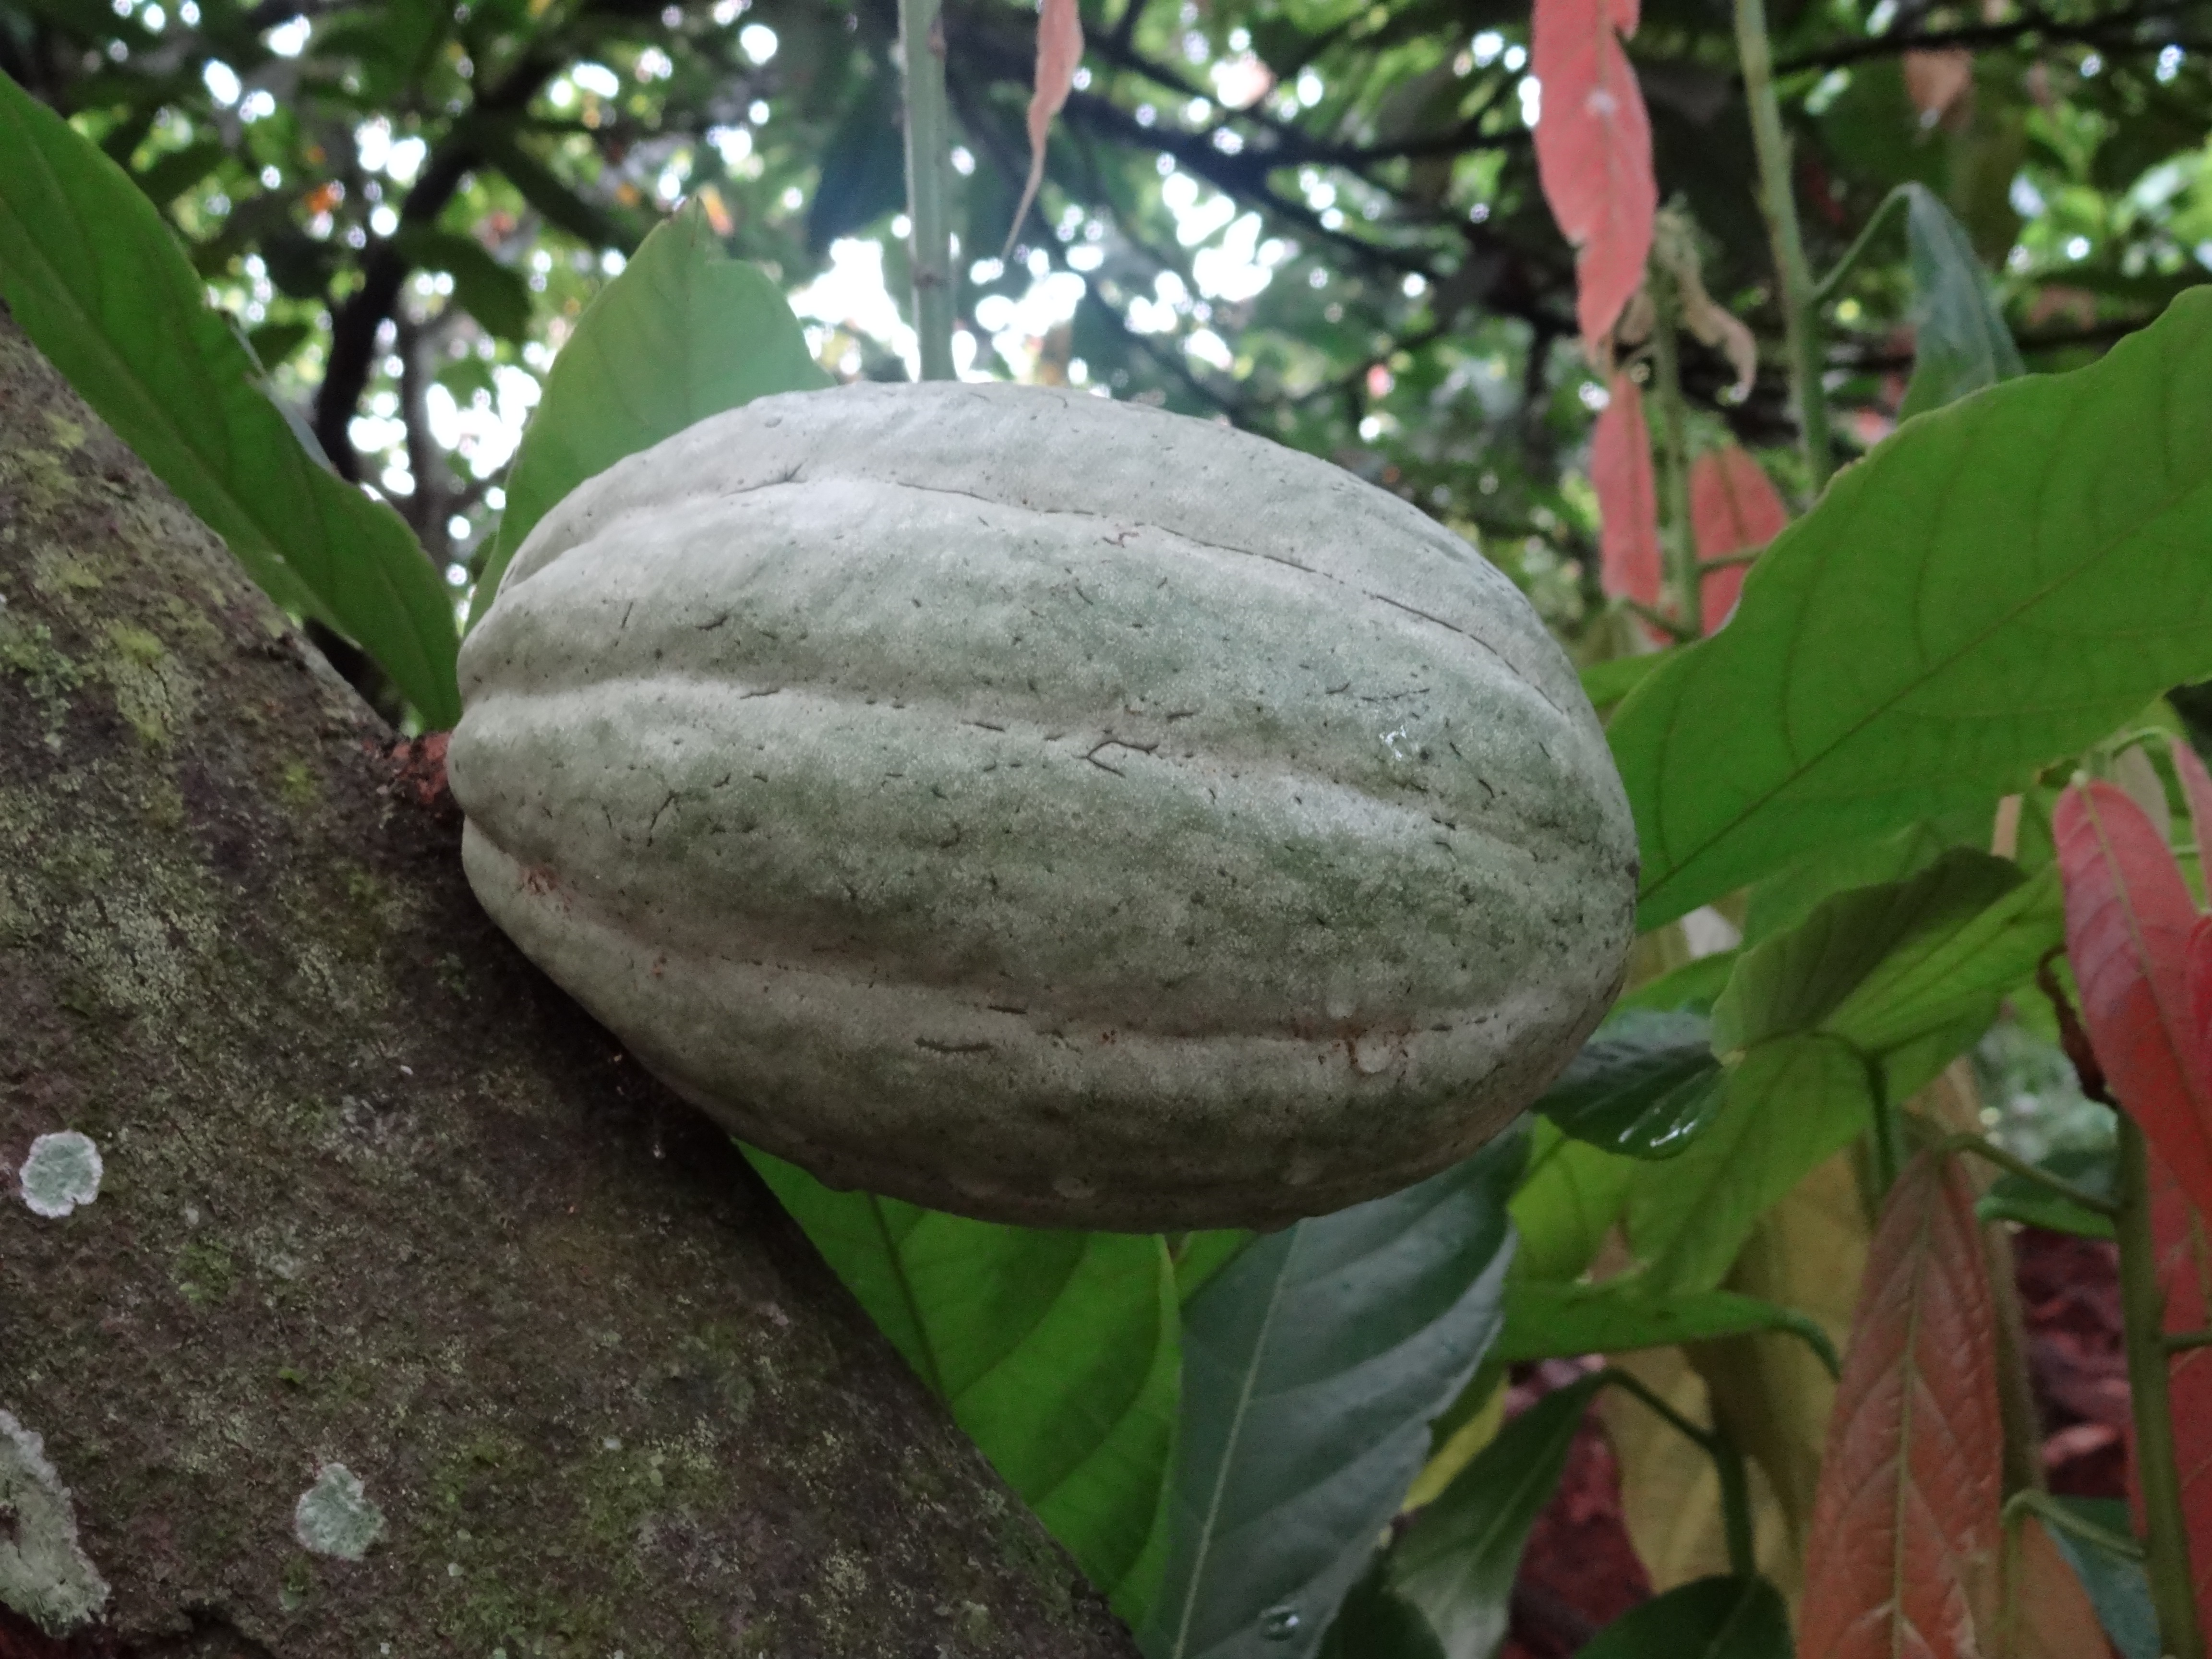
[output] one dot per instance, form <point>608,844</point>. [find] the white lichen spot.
<point>334,1515</point>
<point>61,1173</point>
<point>44,1575</point>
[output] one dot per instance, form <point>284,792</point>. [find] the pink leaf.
<point>2128,918</point>
<point>1628,502</point>
<point>2196,788</point>
<point>1902,1554</point>
<point>1733,509</point>
<point>1059,54</point>
<point>1593,150</point>
<point>2184,1271</point>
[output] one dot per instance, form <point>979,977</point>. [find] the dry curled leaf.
<point>1902,1555</point>
<point>1677,249</point>
<point>1594,151</point>
<point>1059,54</point>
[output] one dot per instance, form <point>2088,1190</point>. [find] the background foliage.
<point>1318,218</point>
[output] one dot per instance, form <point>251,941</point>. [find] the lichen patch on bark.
<point>45,1575</point>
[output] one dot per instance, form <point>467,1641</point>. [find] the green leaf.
<point>1796,981</point>
<point>272,343</point>
<point>495,296</point>
<point>684,332</point>
<point>1199,1256</point>
<point>1784,899</point>
<point>101,286</point>
<point>1566,1203</point>
<point>2015,1197</point>
<point>1313,1365</point>
<point>1960,342</point>
<point>1791,1103</point>
<point>1909,973</point>
<point>1553,1321</point>
<point>1642,1087</point>
<point>1375,1623</point>
<point>1693,985</point>
<point>1057,1352</point>
<point>1456,1562</point>
<point>1606,682</point>
<point>2117,1586</point>
<point>1704,1619</point>
<point>172,174</point>
<point>1975,599</point>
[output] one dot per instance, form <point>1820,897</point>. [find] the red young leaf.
<point>2197,786</point>
<point>2129,916</point>
<point>2200,991</point>
<point>1059,54</point>
<point>1593,150</point>
<point>2185,1269</point>
<point>1627,500</point>
<point>1902,1555</point>
<point>1733,509</point>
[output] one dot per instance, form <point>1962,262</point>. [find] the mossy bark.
<point>377,1196</point>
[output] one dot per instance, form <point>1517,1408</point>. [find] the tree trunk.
<point>379,1205</point>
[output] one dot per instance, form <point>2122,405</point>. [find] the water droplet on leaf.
<point>1279,1624</point>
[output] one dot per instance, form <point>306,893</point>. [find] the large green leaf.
<point>1784,899</point>
<point>1906,972</point>
<point>1642,1087</point>
<point>1313,1364</point>
<point>1457,1561</point>
<point>1704,1619</point>
<point>1694,985</point>
<point>96,280</point>
<point>1548,1320</point>
<point>1566,1203</point>
<point>1791,1103</point>
<point>1960,342</point>
<point>2000,583</point>
<point>684,332</point>
<point>1057,1351</point>
<point>1796,980</point>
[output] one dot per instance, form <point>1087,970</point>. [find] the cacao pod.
<point>1045,808</point>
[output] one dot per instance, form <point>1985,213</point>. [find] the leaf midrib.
<point>1216,1497</point>
<point>1908,688</point>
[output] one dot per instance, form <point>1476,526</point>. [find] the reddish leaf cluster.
<point>1902,1553</point>
<point>2131,929</point>
<point>1628,513</point>
<point>1733,509</point>
<point>2142,958</point>
<point>1594,151</point>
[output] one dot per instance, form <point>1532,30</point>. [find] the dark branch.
<point>2132,31</point>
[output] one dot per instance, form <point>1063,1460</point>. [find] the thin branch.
<point>1989,1152</point>
<point>2109,33</point>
